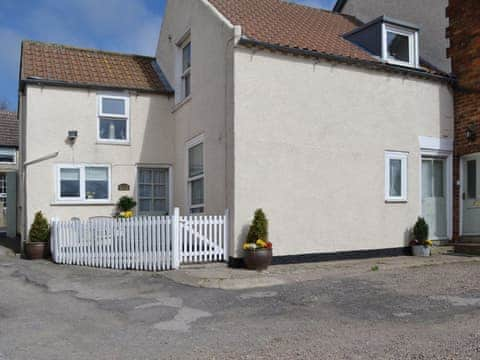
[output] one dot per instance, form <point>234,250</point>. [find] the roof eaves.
<point>93,86</point>
<point>370,64</point>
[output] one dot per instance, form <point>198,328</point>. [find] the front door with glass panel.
<point>471,195</point>
<point>153,191</point>
<point>434,196</point>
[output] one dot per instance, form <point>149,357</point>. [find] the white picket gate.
<point>140,243</point>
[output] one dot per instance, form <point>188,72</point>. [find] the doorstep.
<point>220,276</point>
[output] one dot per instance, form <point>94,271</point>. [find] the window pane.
<point>160,205</point>
<point>186,85</point>
<point>398,47</point>
<point>438,178</point>
<point>145,205</point>
<point>472,179</point>
<point>197,197</point>
<point>195,160</point>
<point>145,176</point>
<point>427,179</point>
<point>96,183</point>
<point>186,55</point>
<point>197,210</point>
<point>113,129</point>
<point>69,183</point>
<point>113,106</point>
<point>145,190</point>
<point>160,191</point>
<point>395,177</point>
<point>7,158</point>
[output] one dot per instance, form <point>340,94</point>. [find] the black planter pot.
<point>258,259</point>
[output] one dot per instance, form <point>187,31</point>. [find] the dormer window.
<point>400,46</point>
<point>392,41</point>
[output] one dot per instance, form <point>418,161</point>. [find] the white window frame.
<point>192,143</point>
<point>82,199</point>
<point>180,95</point>
<point>102,115</point>
<point>403,157</point>
<point>170,183</point>
<point>412,44</point>
<point>9,151</point>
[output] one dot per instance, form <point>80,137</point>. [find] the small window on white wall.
<point>396,176</point>
<point>183,68</point>
<point>113,118</point>
<point>83,183</point>
<point>196,176</point>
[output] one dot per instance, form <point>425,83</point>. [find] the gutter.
<point>41,81</point>
<point>40,159</point>
<point>347,60</point>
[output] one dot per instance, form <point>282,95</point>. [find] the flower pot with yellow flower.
<point>420,245</point>
<point>257,249</point>
<point>125,206</point>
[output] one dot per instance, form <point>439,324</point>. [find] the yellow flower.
<point>428,243</point>
<point>261,243</point>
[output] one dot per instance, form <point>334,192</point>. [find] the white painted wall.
<point>209,111</point>
<point>52,111</point>
<point>309,150</point>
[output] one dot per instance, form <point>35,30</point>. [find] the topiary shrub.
<point>126,203</point>
<point>259,228</point>
<point>420,230</point>
<point>40,230</point>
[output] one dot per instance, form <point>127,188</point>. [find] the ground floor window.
<point>395,176</point>
<point>196,176</point>
<point>153,191</point>
<point>84,183</point>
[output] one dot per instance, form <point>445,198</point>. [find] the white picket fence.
<point>140,243</point>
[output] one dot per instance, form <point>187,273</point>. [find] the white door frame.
<point>462,189</point>
<point>440,148</point>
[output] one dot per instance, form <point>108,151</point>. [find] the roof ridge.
<point>8,112</point>
<point>92,50</point>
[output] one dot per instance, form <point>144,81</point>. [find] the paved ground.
<point>49,311</point>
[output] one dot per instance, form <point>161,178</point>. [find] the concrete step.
<point>442,250</point>
<point>467,248</point>
<point>470,239</point>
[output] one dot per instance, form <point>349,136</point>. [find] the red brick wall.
<point>464,35</point>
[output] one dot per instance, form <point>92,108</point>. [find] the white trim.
<point>200,139</point>
<point>9,151</point>
<point>412,45</point>
<point>170,183</point>
<point>403,157</point>
<point>217,13</point>
<point>433,143</point>
<point>81,199</point>
<point>125,117</point>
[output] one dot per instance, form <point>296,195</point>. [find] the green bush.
<point>40,230</point>
<point>259,227</point>
<point>126,203</point>
<point>420,230</point>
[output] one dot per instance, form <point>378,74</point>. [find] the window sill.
<point>393,201</point>
<point>181,103</point>
<point>82,203</point>
<point>106,142</point>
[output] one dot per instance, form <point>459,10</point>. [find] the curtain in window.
<point>70,183</point>
<point>96,183</point>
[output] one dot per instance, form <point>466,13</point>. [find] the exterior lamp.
<point>470,134</point>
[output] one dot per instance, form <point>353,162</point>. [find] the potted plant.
<point>125,206</point>
<point>420,243</point>
<point>37,246</point>
<point>257,248</point>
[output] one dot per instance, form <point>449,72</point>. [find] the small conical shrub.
<point>420,230</point>
<point>126,203</point>
<point>259,227</point>
<point>40,230</point>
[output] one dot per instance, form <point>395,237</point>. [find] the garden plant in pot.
<point>125,206</point>
<point>39,235</point>
<point>257,248</point>
<point>420,244</point>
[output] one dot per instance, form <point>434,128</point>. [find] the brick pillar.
<point>464,52</point>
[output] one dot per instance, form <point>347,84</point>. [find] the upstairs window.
<point>186,68</point>
<point>113,118</point>
<point>400,46</point>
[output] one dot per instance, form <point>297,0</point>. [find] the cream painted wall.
<point>52,111</point>
<point>309,149</point>
<point>209,111</point>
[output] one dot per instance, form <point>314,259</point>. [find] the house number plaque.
<point>123,187</point>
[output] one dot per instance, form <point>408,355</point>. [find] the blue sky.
<point>130,26</point>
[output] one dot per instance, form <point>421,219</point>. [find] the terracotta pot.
<point>37,250</point>
<point>258,259</point>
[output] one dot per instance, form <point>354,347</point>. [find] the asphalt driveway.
<point>49,311</point>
